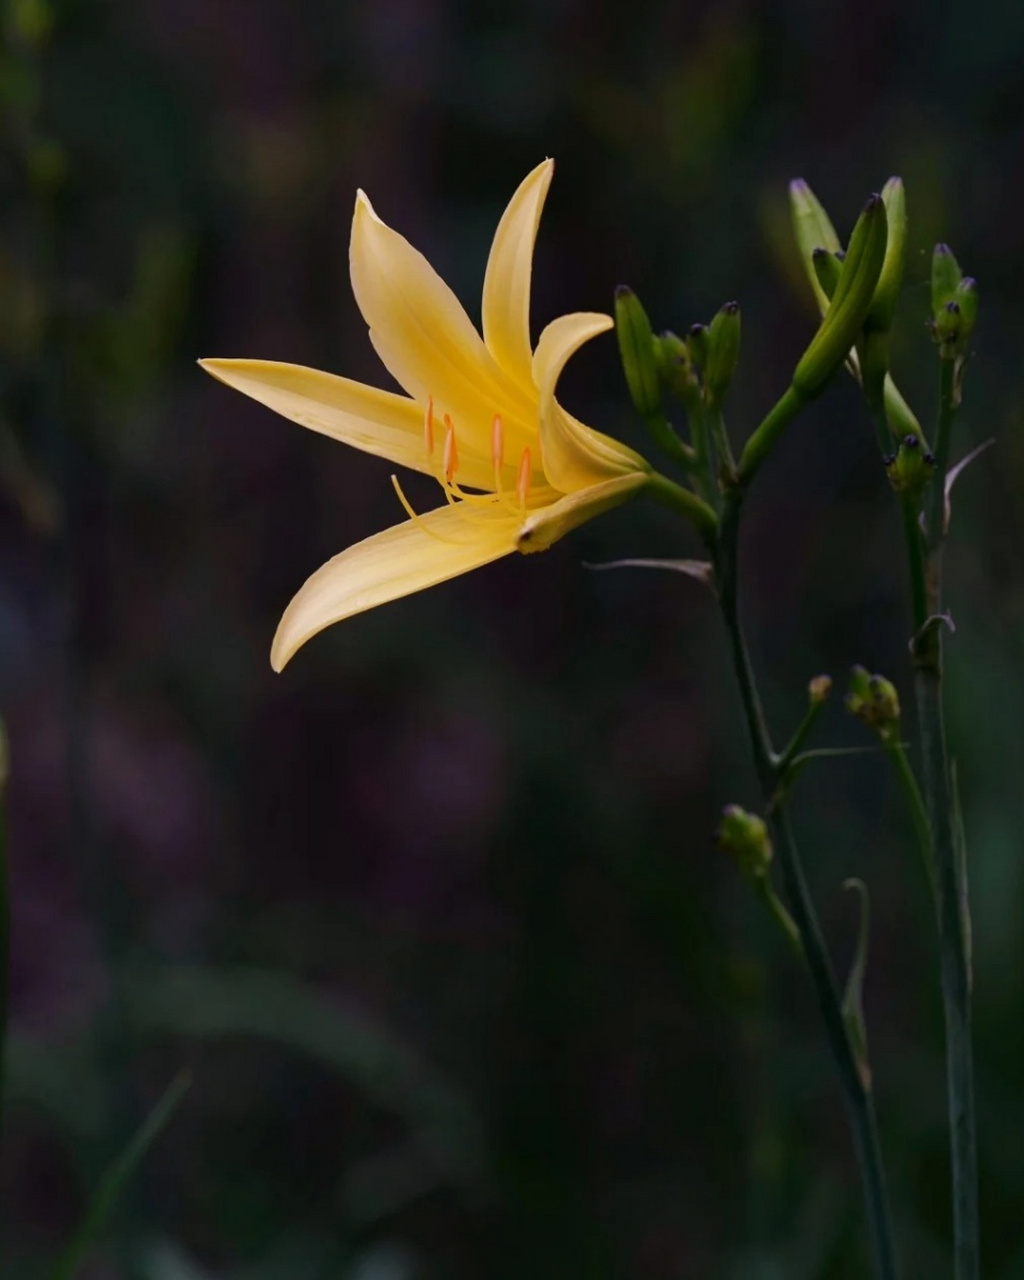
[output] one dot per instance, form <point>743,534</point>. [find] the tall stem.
<point>951,905</point>
<point>859,1101</point>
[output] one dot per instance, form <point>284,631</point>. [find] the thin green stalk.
<point>915,802</point>
<point>859,1101</point>
<point>950,896</point>
<point>695,509</point>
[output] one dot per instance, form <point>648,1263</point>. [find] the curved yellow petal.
<point>375,421</point>
<point>427,342</point>
<point>408,557</point>
<point>575,456</point>
<point>506,301</point>
<point>543,527</point>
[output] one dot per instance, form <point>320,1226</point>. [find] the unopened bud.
<point>887,291</point>
<point>745,836</point>
<point>813,230</point>
<point>723,352</point>
<point>850,303</point>
<point>875,702</point>
<point>697,342</point>
<point>636,347</point>
<point>946,275</point>
<point>911,467</point>
<point>819,689</point>
<point>675,366</point>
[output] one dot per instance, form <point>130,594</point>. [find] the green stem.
<point>915,802</point>
<point>859,1101</point>
<point>763,440</point>
<point>695,509</point>
<point>951,893</point>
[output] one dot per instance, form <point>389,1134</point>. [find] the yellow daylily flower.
<point>480,416</point>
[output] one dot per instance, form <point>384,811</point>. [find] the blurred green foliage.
<point>436,919</point>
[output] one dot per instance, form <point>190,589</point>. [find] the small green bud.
<point>636,347</point>
<point>887,291</point>
<point>697,343</point>
<point>946,275</point>
<point>723,352</point>
<point>813,230</point>
<point>675,367</point>
<point>911,467</point>
<point>819,689</point>
<point>875,702</point>
<point>827,268</point>
<point>745,836</point>
<point>966,297</point>
<point>850,303</point>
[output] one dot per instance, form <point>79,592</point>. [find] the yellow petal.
<point>575,456</point>
<point>506,303</point>
<point>438,545</point>
<point>427,341</point>
<point>545,526</point>
<point>375,421</point>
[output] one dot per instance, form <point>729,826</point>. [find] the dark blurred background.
<point>435,918</point>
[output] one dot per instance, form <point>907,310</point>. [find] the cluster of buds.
<point>954,305</point>
<point>875,702</point>
<point>910,468</point>
<point>745,837</point>
<point>697,367</point>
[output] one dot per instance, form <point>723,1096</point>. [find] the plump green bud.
<point>827,269</point>
<point>875,702</point>
<point>946,275</point>
<point>887,291</point>
<point>850,303</point>
<point>818,690</point>
<point>636,347</point>
<point>745,836</point>
<point>911,467</point>
<point>723,352</point>
<point>813,230</point>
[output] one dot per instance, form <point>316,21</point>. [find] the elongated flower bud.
<point>946,275</point>
<point>887,291</point>
<point>637,349</point>
<point>850,303</point>
<point>723,352</point>
<point>827,269</point>
<point>813,230</point>
<point>745,836</point>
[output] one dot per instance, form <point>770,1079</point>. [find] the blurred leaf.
<point>212,1003</point>
<point>114,1181</point>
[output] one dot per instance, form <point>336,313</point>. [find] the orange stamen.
<point>524,477</point>
<point>451,451</point>
<point>428,426</point>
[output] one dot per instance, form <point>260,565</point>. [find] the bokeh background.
<point>435,919</point>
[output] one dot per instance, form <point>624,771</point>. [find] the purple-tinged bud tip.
<point>944,250</point>
<point>623,291</point>
<point>953,308</point>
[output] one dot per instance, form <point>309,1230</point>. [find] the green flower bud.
<point>636,347</point>
<point>723,352</point>
<point>813,230</point>
<point>946,275</point>
<point>875,702</point>
<point>850,303</point>
<point>966,297</point>
<point>887,291</point>
<point>697,342</point>
<point>911,467</point>
<point>745,836</point>
<point>675,367</point>
<point>827,268</point>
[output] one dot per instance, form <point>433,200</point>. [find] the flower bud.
<point>819,689</point>
<point>813,230</point>
<point>675,367</point>
<point>887,291</point>
<point>850,303</point>
<point>911,467</point>
<point>745,836</point>
<point>636,347</point>
<point>875,702</point>
<point>723,352</point>
<point>697,343</point>
<point>946,275</point>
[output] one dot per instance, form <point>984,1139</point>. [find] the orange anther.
<point>498,442</point>
<point>451,451</point>
<point>428,426</point>
<point>524,477</point>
